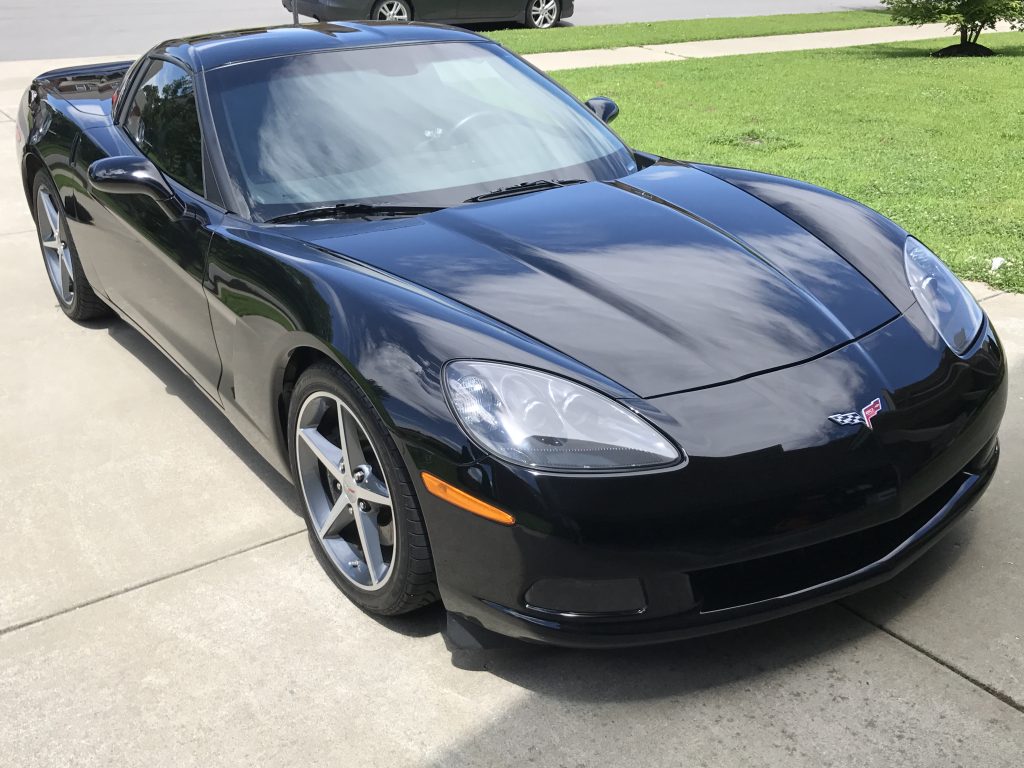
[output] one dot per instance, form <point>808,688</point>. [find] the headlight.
<point>945,300</point>
<point>546,422</point>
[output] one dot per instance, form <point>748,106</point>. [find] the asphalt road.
<point>67,28</point>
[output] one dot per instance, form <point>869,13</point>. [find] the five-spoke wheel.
<point>345,490</point>
<point>361,511</point>
<point>56,254</point>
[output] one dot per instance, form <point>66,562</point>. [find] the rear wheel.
<point>392,10</point>
<point>363,519</point>
<point>543,14</point>
<point>67,278</point>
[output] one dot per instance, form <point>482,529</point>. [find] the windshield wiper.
<point>522,189</point>
<point>353,209</point>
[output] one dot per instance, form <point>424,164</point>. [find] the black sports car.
<point>538,14</point>
<point>580,393</point>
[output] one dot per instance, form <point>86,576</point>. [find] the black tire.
<point>83,304</point>
<point>532,17</point>
<point>411,583</point>
<point>375,14</point>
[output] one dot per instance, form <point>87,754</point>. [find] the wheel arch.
<point>297,361</point>
<point>32,163</point>
<point>301,355</point>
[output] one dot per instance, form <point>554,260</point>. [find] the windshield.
<point>425,125</point>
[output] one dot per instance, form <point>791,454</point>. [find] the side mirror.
<point>606,109</point>
<point>130,175</point>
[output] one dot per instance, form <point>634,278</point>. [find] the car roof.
<point>203,52</point>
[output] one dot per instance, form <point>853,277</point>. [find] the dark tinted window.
<point>163,122</point>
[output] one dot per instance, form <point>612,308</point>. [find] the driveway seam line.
<point>146,583</point>
<point>662,52</point>
<point>1000,293</point>
<point>991,690</point>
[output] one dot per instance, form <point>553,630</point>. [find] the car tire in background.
<point>362,515</point>
<point>543,14</point>
<point>60,258</point>
<point>392,10</point>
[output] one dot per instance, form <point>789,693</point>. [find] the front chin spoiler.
<point>578,632</point>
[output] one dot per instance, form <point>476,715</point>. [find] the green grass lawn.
<point>936,144</point>
<point>525,41</point>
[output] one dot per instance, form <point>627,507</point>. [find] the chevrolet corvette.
<point>579,393</point>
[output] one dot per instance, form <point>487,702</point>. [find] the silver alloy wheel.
<point>543,13</point>
<point>56,252</point>
<point>345,491</point>
<point>393,10</point>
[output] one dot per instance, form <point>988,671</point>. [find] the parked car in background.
<point>538,14</point>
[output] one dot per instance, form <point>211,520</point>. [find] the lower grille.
<point>738,584</point>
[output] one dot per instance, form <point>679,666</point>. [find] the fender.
<point>273,298</point>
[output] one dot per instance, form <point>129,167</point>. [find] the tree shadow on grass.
<point>891,51</point>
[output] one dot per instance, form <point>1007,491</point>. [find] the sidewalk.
<point>706,49</point>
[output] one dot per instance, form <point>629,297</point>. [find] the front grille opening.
<point>752,581</point>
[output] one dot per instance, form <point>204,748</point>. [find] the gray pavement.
<point>159,604</point>
<point>66,28</point>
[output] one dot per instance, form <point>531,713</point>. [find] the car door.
<point>436,10</point>
<point>153,265</point>
<point>491,9</point>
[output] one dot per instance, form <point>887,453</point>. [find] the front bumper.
<point>778,509</point>
<point>906,539</point>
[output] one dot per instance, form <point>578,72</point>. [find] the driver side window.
<point>163,121</point>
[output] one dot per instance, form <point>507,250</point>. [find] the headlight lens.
<point>945,300</point>
<point>546,422</point>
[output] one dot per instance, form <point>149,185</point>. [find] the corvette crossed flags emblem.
<point>866,414</point>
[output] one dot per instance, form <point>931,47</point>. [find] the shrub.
<point>969,17</point>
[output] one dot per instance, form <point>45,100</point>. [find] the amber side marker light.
<point>453,495</point>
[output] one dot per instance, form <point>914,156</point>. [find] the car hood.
<point>669,280</point>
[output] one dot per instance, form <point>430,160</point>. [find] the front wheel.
<point>392,10</point>
<point>361,511</point>
<point>543,14</point>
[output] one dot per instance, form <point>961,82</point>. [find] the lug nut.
<point>363,506</point>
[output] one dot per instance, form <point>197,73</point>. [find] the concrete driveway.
<point>159,605</point>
